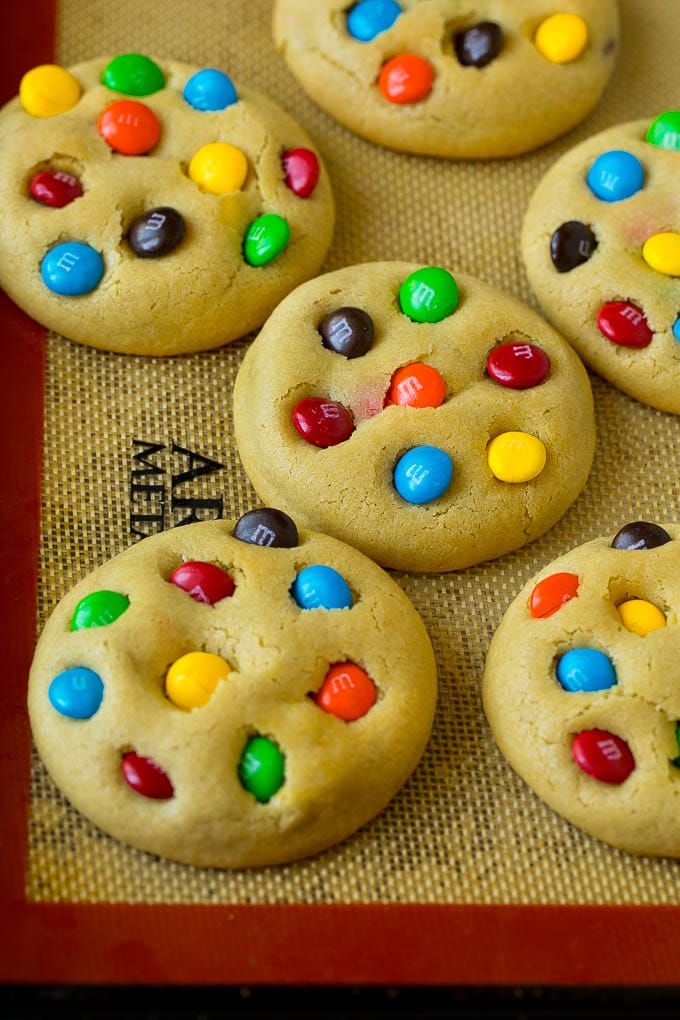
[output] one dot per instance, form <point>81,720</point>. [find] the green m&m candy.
<point>266,237</point>
<point>99,609</point>
<point>262,768</point>
<point>133,75</point>
<point>429,295</point>
<point>665,130</point>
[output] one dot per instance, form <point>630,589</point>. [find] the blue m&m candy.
<point>210,89</point>
<point>76,693</point>
<point>369,18</point>
<point>615,175</point>
<point>676,329</point>
<point>72,268</point>
<point>423,474</point>
<point>585,669</point>
<point>321,587</point>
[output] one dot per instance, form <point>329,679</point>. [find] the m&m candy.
<point>146,777</point>
<point>323,422</point>
<point>429,294</point>
<point>265,239</point>
<point>99,609</point>
<point>262,768</point>
<point>192,679</point>
<point>347,692</point>
<point>133,74</point>
<point>585,669</point>
<point>615,176</point>
<point>209,90</point>
<point>423,474</point>
<point>129,127</point>
<point>72,269</point>
<point>48,90</point>
<point>205,582</point>
<point>76,693</point>
<point>321,587</point>
<point>406,78</point>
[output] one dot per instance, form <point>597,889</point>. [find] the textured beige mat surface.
<point>465,829</point>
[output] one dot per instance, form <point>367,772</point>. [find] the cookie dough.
<point>580,687</point>
<point>601,244</point>
<point>431,421</point>
<point>447,78</point>
<point>150,207</point>
<point>233,695</point>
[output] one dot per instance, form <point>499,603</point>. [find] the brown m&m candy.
<point>156,232</point>
<point>571,245</point>
<point>640,535</point>
<point>479,45</point>
<point>347,331</point>
<point>268,527</point>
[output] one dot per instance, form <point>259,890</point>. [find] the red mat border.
<point>241,945</point>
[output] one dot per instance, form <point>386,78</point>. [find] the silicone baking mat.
<point>466,876</point>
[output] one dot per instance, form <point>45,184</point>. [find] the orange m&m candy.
<point>406,78</point>
<point>129,127</point>
<point>551,593</point>
<point>347,692</point>
<point>416,385</point>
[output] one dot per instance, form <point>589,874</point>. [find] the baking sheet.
<point>466,851</point>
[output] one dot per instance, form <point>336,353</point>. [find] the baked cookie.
<point>580,687</point>
<point>601,244</point>
<point>431,422</point>
<point>233,695</point>
<point>150,207</point>
<point>447,78</point>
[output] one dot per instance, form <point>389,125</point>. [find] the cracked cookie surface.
<point>155,222</point>
<point>433,422</point>
<point>203,697</point>
<point>450,78</point>
<point>580,687</point>
<point>601,245</point>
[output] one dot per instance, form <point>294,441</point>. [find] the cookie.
<point>601,244</point>
<point>233,695</point>
<point>580,687</point>
<point>150,207</point>
<point>445,78</point>
<point>433,422</point>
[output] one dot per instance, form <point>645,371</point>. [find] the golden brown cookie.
<point>601,244</point>
<point>581,692</point>
<point>448,78</point>
<point>150,207</point>
<point>431,421</point>
<point>233,695</point>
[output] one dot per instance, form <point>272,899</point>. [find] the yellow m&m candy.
<point>561,38</point>
<point>516,456</point>
<point>192,679</point>
<point>662,252</point>
<point>218,168</point>
<point>47,90</point>
<point>640,616</point>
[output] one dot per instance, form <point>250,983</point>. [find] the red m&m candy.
<point>205,582</point>
<point>323,422</point>
<point>129,127</point>
<point>624,323</point>
<point>55,188</point>
<point>551,593</point>
<point>145,777</point>
<point>603,755</point>
<point>301,168</point>
<point>518,366</point>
